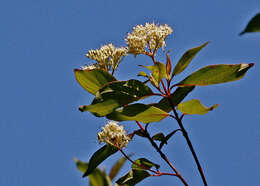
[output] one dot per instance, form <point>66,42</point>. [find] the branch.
<point>185,134</point>
<point>164,157</point>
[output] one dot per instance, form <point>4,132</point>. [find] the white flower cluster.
<point>89,67</point>
<point>114,134</point>
<point>108,56</point>
<point>151,35</point>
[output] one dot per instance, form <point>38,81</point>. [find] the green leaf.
<point>194,107</point>
<point>99,156</point>
<point>117,94</point>
<point>253,25</point>
<point>142,73</point>
<point>132,177</point>
<point>168,137</point>
<point>159,137</point>
<point>177,96</point>
<point>215,74</point>
<point>116,167</point>
<point>187,58</point>
<point>158,71</point>
<point>138,112</point>
<point>93,80</point>
<point>145,163</point>
<point>140,133</point>
<point>97,177</point>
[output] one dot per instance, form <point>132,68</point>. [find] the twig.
<point>164,157</point>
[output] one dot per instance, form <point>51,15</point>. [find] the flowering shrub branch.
<point>118,101</point>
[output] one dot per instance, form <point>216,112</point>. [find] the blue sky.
<point>41,129</point>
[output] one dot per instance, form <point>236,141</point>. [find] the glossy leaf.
<point>253,25</point>
<point>117,94</point>
<point>194,107</point>
<point>159,137</point>
<point>93,80</point>
<point>176,97</point>
<point>116,167</point>
<point>133,177</point>
<point>215,74</point>
<point>138,112</point>
<point>97,177</point>
<point>145,163</point>
<point>187,58</point>
<point>158,71</point>
<point>99,156</point>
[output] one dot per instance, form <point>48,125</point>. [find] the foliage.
<point>253,25</point>
<point>118,101</point>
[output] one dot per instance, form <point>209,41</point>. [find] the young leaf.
<point>253,25</point>
<point>168,137</point>
<point>159,137</point>
<point>138,112</point>
<point>187,58</point>
<point>215,74</point>
<point>177,96</point>
<point>93,80</point>
<point>145,163</point>
<point>142,73</point>
<point>97,177</point>
<point>194,107</point>
<point>132,177</point>
<point>168,66</point>
<point>117,94</point>
<point>158,71</point>
<point>116,167</point>
<point>99,156</point>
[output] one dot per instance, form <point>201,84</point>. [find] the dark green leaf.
<point>116,167</point>
<point>99,156</point>
<point>117,94</point>
<point>138,112</point>
<point>132,177</point>
<point>187,58</point>
<point>167,138</point>
<point>215,74</point>
<point>93,80</point>
<point>159,137</point>
<point>177,96</point>
<point>253,25</point>
<point>194,107</point>
<point>144,164</point>
<point>140,133</point>
<point>97,177</point>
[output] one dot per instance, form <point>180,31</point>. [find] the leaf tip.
<point>213,107</point>
<point>82,108</point>
<point>251,64</point>
<point>242,33</point>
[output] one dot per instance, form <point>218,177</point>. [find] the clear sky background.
<point>41,129</point>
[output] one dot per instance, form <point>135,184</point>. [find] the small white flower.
<point>114,134</point>
<point>108,56</point>
<point>89,67</point>
<point>150,36</point>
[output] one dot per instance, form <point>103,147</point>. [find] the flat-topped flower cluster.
<point>142,40</point>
